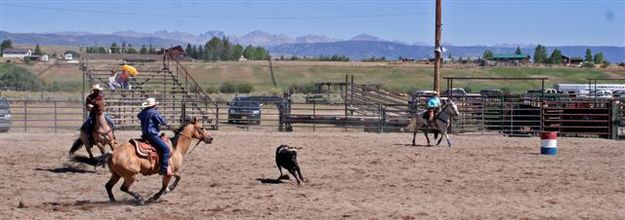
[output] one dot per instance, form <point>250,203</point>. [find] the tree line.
<point>541,56</point>
<point>123,48</point>
<point>217,49</point>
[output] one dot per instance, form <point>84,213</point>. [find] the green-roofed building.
<point>511,58</point>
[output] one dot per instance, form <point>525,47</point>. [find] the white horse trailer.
<point>587,89</point>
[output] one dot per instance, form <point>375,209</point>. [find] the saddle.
<point>145,150</point>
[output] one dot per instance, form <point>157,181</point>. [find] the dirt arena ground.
<point>350,175</point>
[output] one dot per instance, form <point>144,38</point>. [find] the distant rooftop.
<point>15,51</point>
<point>510,56</point>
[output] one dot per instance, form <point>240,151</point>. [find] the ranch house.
<point>19,53</point>
<point>572,61</point>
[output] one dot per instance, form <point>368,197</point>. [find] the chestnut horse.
<point>124,161</point>
<point>102,134</point>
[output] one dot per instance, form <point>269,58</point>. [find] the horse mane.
<point>174,140</point>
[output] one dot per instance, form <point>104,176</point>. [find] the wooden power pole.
<point>438,50</point>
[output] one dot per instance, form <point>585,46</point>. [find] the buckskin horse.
<point>127,163</point>
<point>442,121</point>
<point>102,134</point>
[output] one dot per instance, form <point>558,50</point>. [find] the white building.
<point>68,56</point>
<point>19,53</point>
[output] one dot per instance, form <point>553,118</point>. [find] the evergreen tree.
<point>37,50</point>
<point>5,44</point>
<point>200,52</point>
<point>598,58</point>
<point>249,52</point>
<point>188,50</point>
<point>237,52</point>
<point>540,54</point>
<point>114,48</point>
<point>226,49</point>
<point>194,52</point>
<point>518,50</point>
<point>588,55</point>
<point>143,50</point>
<point>556,57</point>
<point>151,50</point>
<point>488,55</point>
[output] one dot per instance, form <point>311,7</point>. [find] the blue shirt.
<point>150,119</point>
<point>434,102</point>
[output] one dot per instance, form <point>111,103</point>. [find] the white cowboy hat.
<point>96,87</point>
<point>149,102</point>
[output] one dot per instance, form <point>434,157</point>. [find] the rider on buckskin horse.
<point>94,103</point>
<point>433,105</point>
<point>150,120</point>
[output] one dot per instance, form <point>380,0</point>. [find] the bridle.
<point>200,139</point>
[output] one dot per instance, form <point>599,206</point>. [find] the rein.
<point>191,138</point>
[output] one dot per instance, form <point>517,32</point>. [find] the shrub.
<point>212,90</point>
<point>229,87</point>
<point>245,88</point>
<point>17,78</point>
<point>302,88</point>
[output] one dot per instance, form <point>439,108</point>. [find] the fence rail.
<point>478,116</point>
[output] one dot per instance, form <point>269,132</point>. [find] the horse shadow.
<point>269,181</point>
<point>418,145</point>
<point>91,205</point>
<point>68,169</point>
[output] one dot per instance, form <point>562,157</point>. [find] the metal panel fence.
<point>502,115</point>
<point>29,115</point>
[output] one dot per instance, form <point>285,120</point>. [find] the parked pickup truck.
<point>5,115</point>
<point>243,109</point>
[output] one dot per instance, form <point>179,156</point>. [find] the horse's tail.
<point>435,131</point>
<point>412,125</point>
<point>98,161</point>
<point>77,144</point>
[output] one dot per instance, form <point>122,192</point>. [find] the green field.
<point>395,77</point>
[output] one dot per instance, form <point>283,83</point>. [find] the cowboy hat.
<point>96,87</point>
<point>149,102</point>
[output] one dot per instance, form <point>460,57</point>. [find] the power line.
<point>219,17</point>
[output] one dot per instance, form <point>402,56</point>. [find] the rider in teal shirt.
<point>432,106</point>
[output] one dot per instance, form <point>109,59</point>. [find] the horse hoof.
<point>141,202</point>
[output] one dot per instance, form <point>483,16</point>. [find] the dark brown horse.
<point>124,161</point>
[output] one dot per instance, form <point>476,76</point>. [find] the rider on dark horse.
<point>433,106</point>
<point>150,120</point>
<point>94,104</point>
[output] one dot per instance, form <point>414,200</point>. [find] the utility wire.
<point>218,17</point>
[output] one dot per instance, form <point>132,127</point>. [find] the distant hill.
<point>359,47</point>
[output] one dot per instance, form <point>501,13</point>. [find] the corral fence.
<point>45,115</point>
<point>508,115</point>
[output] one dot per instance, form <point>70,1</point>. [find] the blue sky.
<point>465,22</point>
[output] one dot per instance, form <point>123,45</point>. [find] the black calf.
<point>286,157</point>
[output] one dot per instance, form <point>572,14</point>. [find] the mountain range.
<point>356,48</point>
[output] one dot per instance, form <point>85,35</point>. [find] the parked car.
<point>539,91</point>
<point>618,94</point>
<point>491,92</point>
<point>243,109</point>
<point>5,115</point>
<point>455,92</point>
<point>424,93</point>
